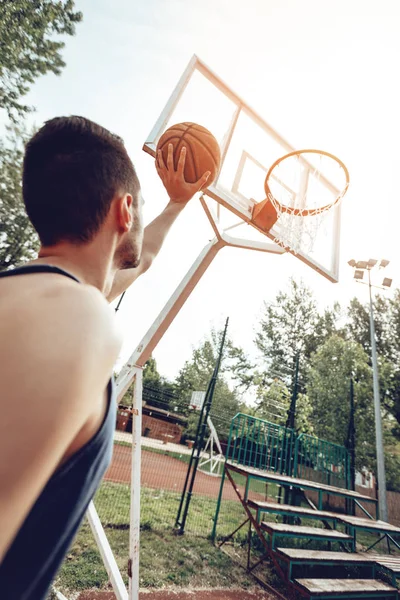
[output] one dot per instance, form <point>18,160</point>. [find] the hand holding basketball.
<point>192,157</point>
<point>174,182</point>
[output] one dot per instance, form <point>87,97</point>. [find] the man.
<point>58,340</point>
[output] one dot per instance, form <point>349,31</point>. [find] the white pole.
<point>133,370</point>
<point>380,458</point>
<point>106,553</point>
<point>134,530</point>
<point>143,351</point>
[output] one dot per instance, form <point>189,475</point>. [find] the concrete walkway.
<point>146,442</point>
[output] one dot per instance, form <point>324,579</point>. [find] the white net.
<point>304,188</point>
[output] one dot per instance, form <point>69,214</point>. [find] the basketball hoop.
<point>301,189</point>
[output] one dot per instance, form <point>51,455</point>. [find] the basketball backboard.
<point>249,146</point>
<point>197,400</point>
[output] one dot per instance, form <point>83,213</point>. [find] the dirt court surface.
<point>160,471</point>
<point>188,595</point>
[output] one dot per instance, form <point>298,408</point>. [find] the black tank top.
<point>37,551</point>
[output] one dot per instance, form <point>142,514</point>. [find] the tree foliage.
<point>358,325</point>
<point>331,369</point>
<point>196,374</point>
<point>157,390</point>
<point>30,46</point>
<point>292,327</point>
<point>273,402</point>
<point>18,240</point>
<point>333,346</point>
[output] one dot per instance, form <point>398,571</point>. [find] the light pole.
<point>360,268</point>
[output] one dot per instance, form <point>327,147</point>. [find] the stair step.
<point>318,556</point>
<point>389,561</point>
<point>288,509</point>
<point>296,482</point>
<point>305,531</point>
<point>344,587</point>
<point>370,524</point>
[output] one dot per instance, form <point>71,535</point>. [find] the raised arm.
<point>179,192</point>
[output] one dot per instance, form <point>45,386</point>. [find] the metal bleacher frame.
<point>263,451</point>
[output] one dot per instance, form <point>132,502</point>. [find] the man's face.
<point>130,247</point>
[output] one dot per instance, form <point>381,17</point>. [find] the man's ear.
<point>124,212</point>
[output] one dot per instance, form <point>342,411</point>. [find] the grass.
<point>165,559</point>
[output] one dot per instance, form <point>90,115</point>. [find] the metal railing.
<point>267,446</point>
<point>329,460</point>
<point>261,444</point>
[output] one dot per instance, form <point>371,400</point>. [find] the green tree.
<point>328,387</point>
<point>195,376</point>
<point>358,327</point>
<point>387,327</point>
<point>18,240</point>
<point>292,327</point>
<point>303,417</point>
<point>30,46</point>
<point>157,390</point>
<point>273,402</point>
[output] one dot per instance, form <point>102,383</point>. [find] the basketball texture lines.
<point>202,150</point>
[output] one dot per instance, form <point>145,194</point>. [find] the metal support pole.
<point>119,301</point>
<point>380,459</point>
<point>106,553</point>
<point>168,314</point>
<point>290,422</point>
<point>351,449</point>
<point>134,529</point>
<point>189,469</point>
<point>352,440</point>
<point>200,438</point>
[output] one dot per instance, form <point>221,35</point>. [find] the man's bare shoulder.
<point>46,303</point>
<point>55,327</point>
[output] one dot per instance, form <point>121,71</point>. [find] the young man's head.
<point>77,179</point>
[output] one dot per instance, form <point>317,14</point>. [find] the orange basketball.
<point>202,150</point>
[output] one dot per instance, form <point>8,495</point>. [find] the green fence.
<point>257,443</point>
<point>330,461</point>
<point>270,447</point>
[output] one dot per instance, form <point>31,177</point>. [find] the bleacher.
<point>264,452</point>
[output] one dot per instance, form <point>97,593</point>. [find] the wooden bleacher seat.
<point>347,588</point>
<point>296,482</point>
<point>275,530</point>
<point>317,556</point>
<point>371,525</point>
<point>290,510</point>
<point>388,561</point>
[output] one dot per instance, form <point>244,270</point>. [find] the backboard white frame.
<point>197,400</point>
<point>224,198</point>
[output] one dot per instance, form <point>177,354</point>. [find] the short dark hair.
<point>72,170</point>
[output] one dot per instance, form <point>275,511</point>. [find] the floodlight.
<point>358,274</point>
<point>387,282</point>
<point>372,262</point>
<point>352,262</point>
<point>361,264</point>
<point>384,263</point>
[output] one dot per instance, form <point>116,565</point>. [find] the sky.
<point>323,74</point>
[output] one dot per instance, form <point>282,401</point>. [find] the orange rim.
<point>311,211</point>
